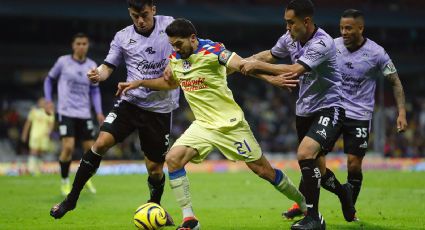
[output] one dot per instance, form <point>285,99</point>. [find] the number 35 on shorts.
<point>361,132</point>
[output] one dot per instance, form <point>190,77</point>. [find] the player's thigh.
<point>237,143</point>
<point>120,122</point>
<point>68,144</point>
<point>197,138</point>
<point>154,133</point>
<point>356,136</point>
<point>325,128</point>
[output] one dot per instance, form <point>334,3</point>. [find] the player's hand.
<point>248,67</point>
<point>401,123</point>
<point>168,75</point>
<point>49,108</point>
<point>123,87</point>
<point>100,118</point>
<point>284,81</point>
<point>94,75</point>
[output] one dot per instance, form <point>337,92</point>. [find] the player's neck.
<point>149,32</point>
<point>79,58</point>
<point>195,44</point>
<point>357,45</point>
<point>311,30</point>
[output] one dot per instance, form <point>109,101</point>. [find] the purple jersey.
<point>320,86</point>
<point>74,88</point>
<point>360,69</point>
<point>145,58</point>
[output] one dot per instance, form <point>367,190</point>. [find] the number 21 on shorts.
<point>240,147</point>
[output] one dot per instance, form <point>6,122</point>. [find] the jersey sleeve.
<point>280,50</point>
<point>385,65</point>
<point>56,70</point>
<point>31,115</point>
<point>318,52</point>
<point>224,55</point>
<point>115,55</point>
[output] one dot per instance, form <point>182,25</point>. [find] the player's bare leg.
<point>176,159</point>
<point>279,180</point>
<point>65,158</point>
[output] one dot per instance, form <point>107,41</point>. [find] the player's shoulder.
<point>64,58</point>
<point>372,46</point>
<point>91,61</point>
<point>339,41</point>
<point>163,20</point>
<point>321,37</point>
<point>207,46</point>
<point>286,38</point>
<point>124,31</point>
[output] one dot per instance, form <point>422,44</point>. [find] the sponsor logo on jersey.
<point>131,41</point>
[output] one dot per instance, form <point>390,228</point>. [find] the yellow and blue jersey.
<point>203,79</point>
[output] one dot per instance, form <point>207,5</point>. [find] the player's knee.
<point>67,150</point>
<point>354,164</point>
<point>101,146</point>
<point>173,162</point>
<point>354,167</point>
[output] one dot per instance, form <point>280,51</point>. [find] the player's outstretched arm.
<point>400,100</point>
<point>236,63</point>
<point>264,56</point>
<point>157,84</point>
<point>100,73</point>
<point>255,66</point>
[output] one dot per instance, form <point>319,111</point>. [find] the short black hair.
<point>181,27</point>
<point>301,8</point>
<point>139,4</point>
<point>352,13</point>
<point>80,35</point>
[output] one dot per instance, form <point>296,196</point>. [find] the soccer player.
<point>319,107</point>
<point>75,96</point>
<point>37,130</point>
<point>145,49</point>
<point>362,62</point>
<point>199,67</point>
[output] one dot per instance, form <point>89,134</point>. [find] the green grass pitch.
<point>389,200</point>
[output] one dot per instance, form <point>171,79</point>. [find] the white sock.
<point>180,187</point>
<point>287,188</point>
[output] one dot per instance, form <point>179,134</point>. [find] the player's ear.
<point>154,10</point>
<point>192,38</point>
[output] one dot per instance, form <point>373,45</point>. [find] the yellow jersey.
<point>203,79</point>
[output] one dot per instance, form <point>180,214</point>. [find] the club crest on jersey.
<point>150,50</point>
<point>186,65</point>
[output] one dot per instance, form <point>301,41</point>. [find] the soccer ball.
<point>150,216</point>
